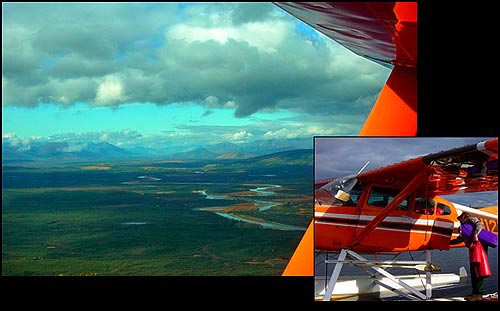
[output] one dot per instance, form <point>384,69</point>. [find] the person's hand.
<point>475,238</point>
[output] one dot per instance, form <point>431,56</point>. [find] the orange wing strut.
<point>395,112</point>
<point>302,261</point>
<point>392,115</point>
<point>412,185</point>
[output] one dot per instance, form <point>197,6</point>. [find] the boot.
<point>474,297</point>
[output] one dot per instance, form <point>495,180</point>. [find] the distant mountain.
<point>146,152</point>
<point>49,149</point>
<point>236,155</point>
<point>62,152</point>
<point>258,147</point>
<point>290,163</point>
<point>105,150</point>
<point>199,153</point>
<point>269,146</point>
<point>74,151</point>
<point>289,157</point>
<point>225,147</point>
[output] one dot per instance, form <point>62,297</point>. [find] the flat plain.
<point>156,218</point>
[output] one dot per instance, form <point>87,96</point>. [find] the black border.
<point>455,99</point>
<point>456,95</point>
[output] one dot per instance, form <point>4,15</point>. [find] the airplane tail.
<point>488,215</point>
<point>490,209</point>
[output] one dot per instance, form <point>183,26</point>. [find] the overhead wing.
<point>385,32</point>
<point>471,168</point>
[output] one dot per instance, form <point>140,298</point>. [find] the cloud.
<point>247,57</point>
<point>77,141</point>
<point>19,143</point>
<point>239,136</point>
<point>109,91</point>
<point>297,131</point>
<point>75,147</point>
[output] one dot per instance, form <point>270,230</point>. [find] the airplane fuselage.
<point>416,223</point>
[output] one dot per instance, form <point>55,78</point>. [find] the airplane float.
<point>397,209</point>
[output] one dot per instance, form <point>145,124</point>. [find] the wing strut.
<point>412,185</point>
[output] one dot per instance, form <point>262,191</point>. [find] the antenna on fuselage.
<point>368,162</point>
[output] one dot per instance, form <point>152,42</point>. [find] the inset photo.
<point>405,218</point>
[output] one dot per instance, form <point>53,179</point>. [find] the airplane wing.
<point>384,32</point>
<point>471,168</point>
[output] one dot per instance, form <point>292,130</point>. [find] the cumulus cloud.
<point>247,57</point>
<point>75,147</point>
<point>298,131</point>
<point>109,91</point>
<point>239,136</point>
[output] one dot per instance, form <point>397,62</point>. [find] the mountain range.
<point>88,152</point>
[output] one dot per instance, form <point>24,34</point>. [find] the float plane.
<point>396,209</point>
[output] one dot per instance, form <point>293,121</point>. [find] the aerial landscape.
<point>170,217</point>
<point>170,139</point>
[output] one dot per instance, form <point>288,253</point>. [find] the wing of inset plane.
<point>471,168</point>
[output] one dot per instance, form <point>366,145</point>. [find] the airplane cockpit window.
<point>442,209</point>
<point>381,197</point>
<point>354,195</point>
<point>424,206</point>
<point>343,191</point>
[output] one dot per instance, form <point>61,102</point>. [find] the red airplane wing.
<point>471,168</point>
<point>385,32</point>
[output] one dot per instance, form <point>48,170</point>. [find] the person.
<point>476,280</point>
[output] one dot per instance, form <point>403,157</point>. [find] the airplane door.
<point>435,220</point>
<point>442,227</point>
<point>393,233</point>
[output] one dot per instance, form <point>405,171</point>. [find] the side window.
<point>355,195</point>
<point>381,197</point>
<point>442,209</point>
<point>424,206</point>
<point>340,193</point>
<point>403,205</point>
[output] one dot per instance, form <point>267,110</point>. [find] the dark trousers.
<point>476,281</point>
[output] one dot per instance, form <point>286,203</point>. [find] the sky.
<point>342,156</point>
<point>158,73</point>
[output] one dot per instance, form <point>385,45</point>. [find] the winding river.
<point>260,204</point>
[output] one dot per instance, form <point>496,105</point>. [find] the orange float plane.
<point>398,208</point>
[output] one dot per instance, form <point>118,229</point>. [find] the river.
<point>260,204</point>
